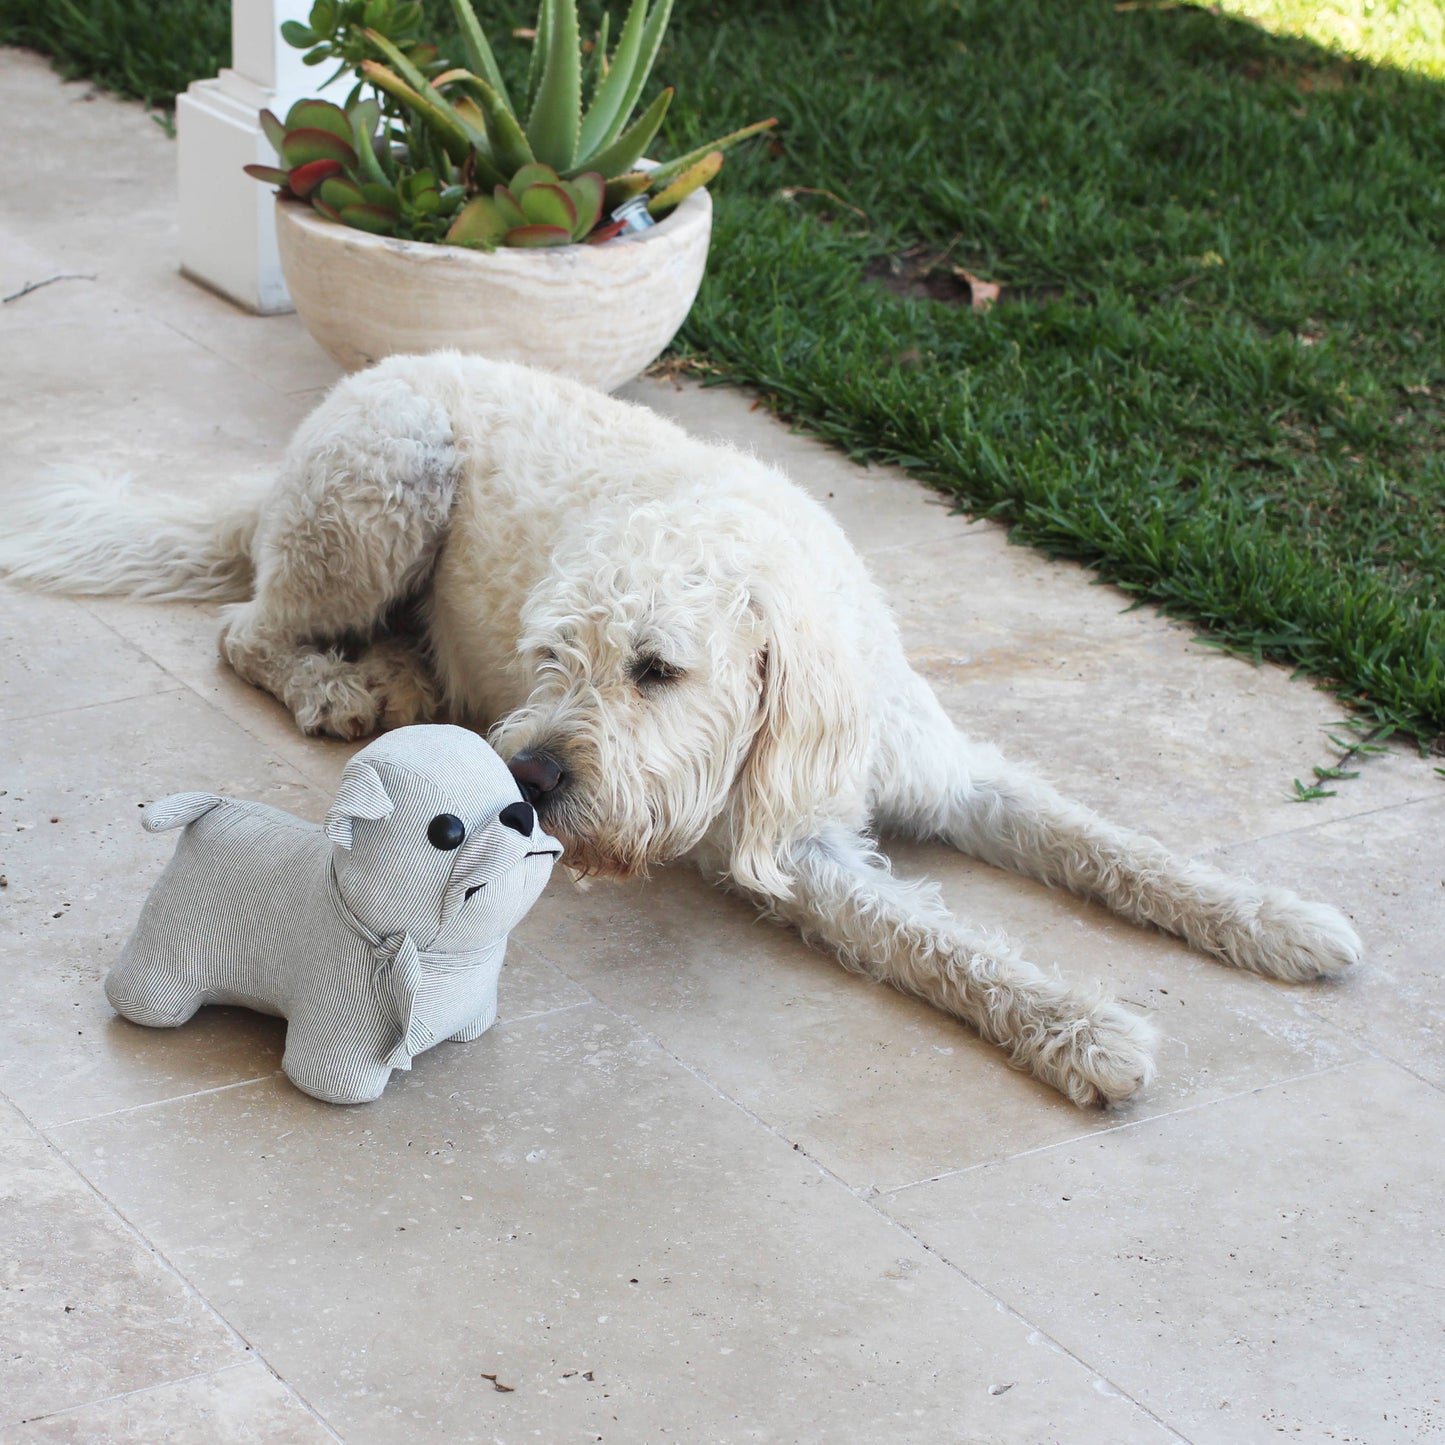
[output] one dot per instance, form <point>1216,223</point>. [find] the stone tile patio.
<point>698,1184</point>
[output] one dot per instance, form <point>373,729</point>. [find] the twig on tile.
<point>50,281</point>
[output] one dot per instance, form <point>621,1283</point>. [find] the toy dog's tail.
<point>80,531</point>
<point>177,810</point>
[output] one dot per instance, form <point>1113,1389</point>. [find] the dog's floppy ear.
<point>362,795</point>
<point>809,749</point>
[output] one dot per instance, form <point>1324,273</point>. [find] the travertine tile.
<point>1114,706</point>
<point>275,350</point>
<point>1266,1267</point>
<point>54,655</point>
<point>86,1310</point>
<point>240,1405</point>
<point>124,217</point>
<point>879,507</point>
<point>883,1089</point>
<point>582,1220</point>
<point>34,297</point>
<point>529,986</point>
<point>12,1122</point>
<point>95,403</point>
<point>180,637</point>
<point>123,230</point>
<point>1386,869</point>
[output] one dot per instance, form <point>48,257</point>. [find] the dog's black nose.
<point>520,817</point>
<point>537,774</point>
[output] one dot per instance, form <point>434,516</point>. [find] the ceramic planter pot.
<point>596,313</point>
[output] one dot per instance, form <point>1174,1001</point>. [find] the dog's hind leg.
<point>389,685</point>
<point>1078,1041</point>
<point>352,528</point>
<point>936,783</point>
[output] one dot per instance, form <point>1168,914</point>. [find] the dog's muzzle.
<point>537,774</point>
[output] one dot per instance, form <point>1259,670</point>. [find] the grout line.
<point>546,1013</point>
<point>128,1394</point>
<point>195,690</point>
<point>1409,802</point>
<point>1377,1057</point>
<point>1006,1308</point>
<point>263,1078</point>
<point>107,702</point>
<point>158,1103</point>
<point>186,1380</point>
<point>887,1219</point>
<point>1370,1049</point>
<point>972,532</point>
<point>227,361</point>
<point>167,1266</point>
<point>316,389</point>
<point>1076,1139</point>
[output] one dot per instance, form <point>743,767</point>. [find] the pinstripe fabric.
<point>371,941</point>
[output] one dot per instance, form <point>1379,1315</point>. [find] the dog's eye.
<point>653,671</point>
<point>446,832</point>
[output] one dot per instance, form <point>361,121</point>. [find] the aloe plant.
<point>440,151</point>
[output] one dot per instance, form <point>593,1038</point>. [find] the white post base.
<point>227,229</point>
<point>228,236</point>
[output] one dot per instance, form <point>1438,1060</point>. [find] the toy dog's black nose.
<point>519,817</point>
<point>536,773</point>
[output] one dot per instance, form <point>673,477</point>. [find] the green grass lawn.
<point>1215,371</point>
<point>147,50</point>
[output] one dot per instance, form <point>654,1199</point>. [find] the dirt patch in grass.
<point>923,274</point>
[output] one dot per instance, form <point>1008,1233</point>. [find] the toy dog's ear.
<point>362,795</point>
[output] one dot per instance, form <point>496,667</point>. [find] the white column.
<point>228,237</point>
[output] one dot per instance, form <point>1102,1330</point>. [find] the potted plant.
<point>430,211</point>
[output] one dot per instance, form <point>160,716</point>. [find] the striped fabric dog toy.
<point>375,936</point>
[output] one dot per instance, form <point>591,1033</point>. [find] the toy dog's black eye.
<point>446,832</point>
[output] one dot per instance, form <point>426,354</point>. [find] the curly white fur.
<point>696,644</point>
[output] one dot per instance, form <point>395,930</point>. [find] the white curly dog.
<point>681,655</point>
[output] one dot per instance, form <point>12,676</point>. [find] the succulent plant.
<point>538,208</point>
<point>331,158</point>
<point>440,152</point>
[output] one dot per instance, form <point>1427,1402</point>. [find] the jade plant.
<point>432,151</point>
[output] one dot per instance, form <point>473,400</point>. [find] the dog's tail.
<point>80,531</point>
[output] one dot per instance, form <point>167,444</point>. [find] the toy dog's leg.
<point>158,998</point>
<point>350,531</point>
<point>317,1072</point>
<point>478,1025</point>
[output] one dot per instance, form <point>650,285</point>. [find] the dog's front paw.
<point>345,718</point>
<point>1101,1054</point>
<point>1290,938</point>
<point>327,696</point>
<point>396,677</point>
